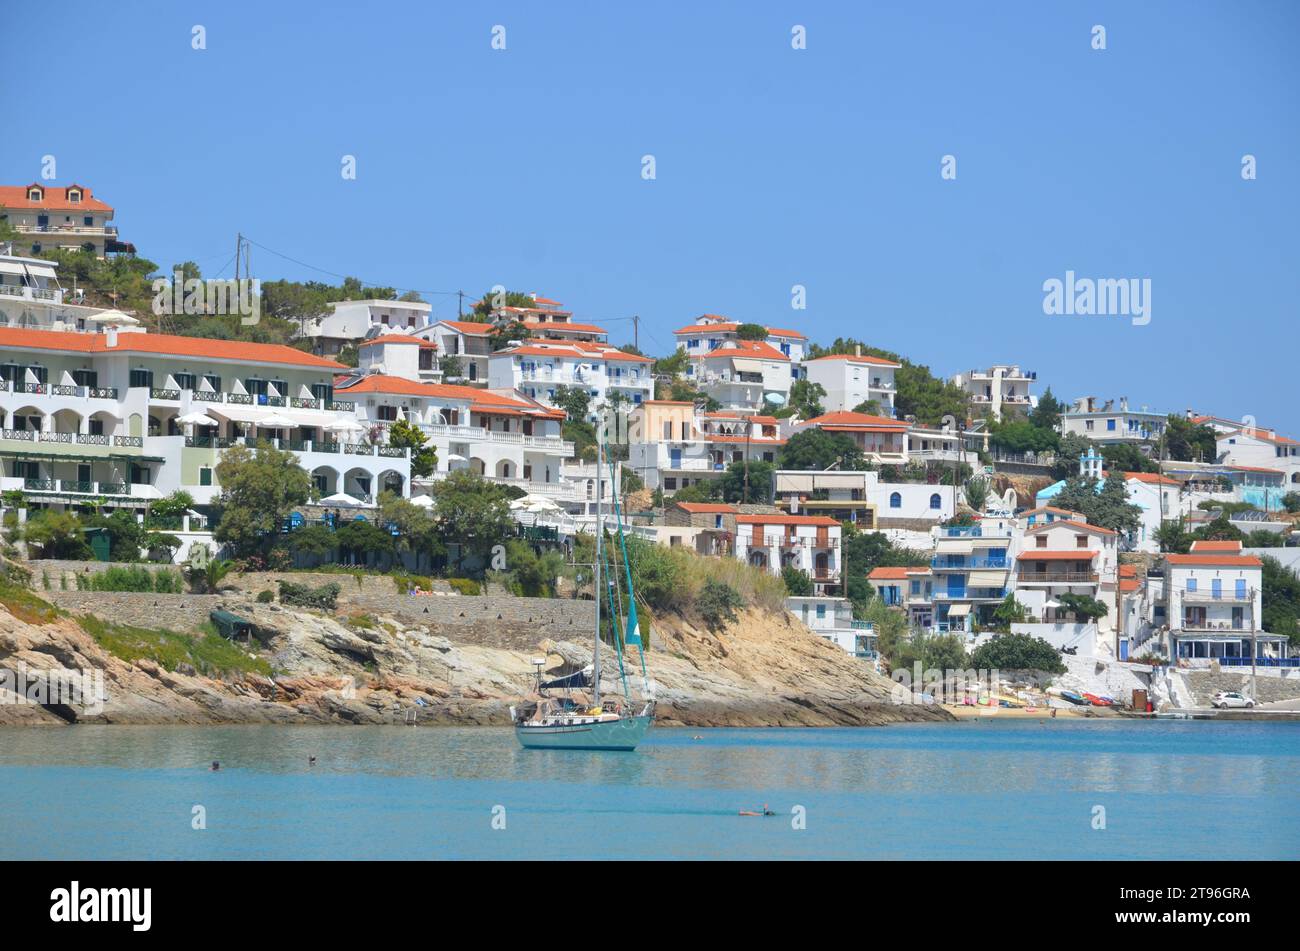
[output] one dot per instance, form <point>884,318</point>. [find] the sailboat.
<point>564,715</point>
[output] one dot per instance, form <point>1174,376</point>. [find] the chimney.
<point>110,336</point>
<point>857,349</point>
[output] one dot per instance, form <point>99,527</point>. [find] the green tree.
<point>1084,606</point>
<point>1186,441</point>
<point>806,397</point>
<point>56,535</point>
<point>1020,435</point>
<point>751,332</point>
<point>797,582</point>
<point>1072,446</point>
<point>406,435</point>
<point>818,449</point>
<point>732,486</point>
<point>260,488</point>
<point>977,491</point>
<point>471,512</point>
<point>1009,612</point>
<point>1125,457</point>
<point>1017,652</point>
<point>1106,506</point>
<point>1280,588</point>
<point>574,400</point>
<point>1047,414</point>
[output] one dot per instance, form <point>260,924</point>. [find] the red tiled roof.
<point>728,326</point>
<point>398,338</point>
<point>1070,523</point>
<point>1129,584</point>
<point>482,401</point>
<point>471,327</point>
<point>785,520</point>
<point>1265,434</point>
<point>864,421</point>
<point>853,358</point>
<point>557,325</point>
<point>706,508</point>
<point>884,573</point>
<point>754,349</point>
<point>52,198</point>
<point>1151,478</point>
<point>1050,508</point>
<point>164,345</point>
<point>1227,561</point>
<point>1203,545</point>
<point>1255,469</point>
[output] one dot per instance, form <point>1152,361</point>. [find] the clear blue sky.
<point>775,167</point>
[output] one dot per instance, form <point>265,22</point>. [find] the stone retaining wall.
<point>1268,689</point>
<point>172,612</point>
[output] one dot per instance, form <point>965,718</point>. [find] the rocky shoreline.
<point>765,669</point>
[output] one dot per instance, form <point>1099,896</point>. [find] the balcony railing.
<point>949,564</point>
<point>1222,596</point>
<point>1057,577</point>
<point>23,292</point>
<point>157,393</point>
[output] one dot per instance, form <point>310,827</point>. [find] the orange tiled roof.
<point>885,573</point>
<point>785,520</point>
<point>547,325</point>
<point>721,324</point>
<point>1151,478</point>
<point>845,419</point>
<point>471,327</point>
<point>747,348</point>
<point>1203,545</point>
<point>853,358</point>
<point>706,508</point>
<point>1069,523</point>
<point>398,338</point>
<point>1227,561</point>
<point>163,345</point>
<point>53,198</point>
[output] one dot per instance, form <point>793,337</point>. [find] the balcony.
<point>109,231</point>
<point>971,594</point>
<point>81,439</point>
<point>76,487</point>
<point>1220,597</point>
<point>23,292</point>
<point>947,564</point>
<point>1057,577</point>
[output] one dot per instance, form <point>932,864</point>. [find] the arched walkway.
<point>326,480</point>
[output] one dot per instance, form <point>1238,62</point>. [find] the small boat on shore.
<point>1070,696</point>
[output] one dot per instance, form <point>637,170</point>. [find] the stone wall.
<point>1269,687</point>
<point>172,612</point>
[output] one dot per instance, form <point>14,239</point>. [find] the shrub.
<point>168,582</point>
<point>717,604</point>
<point>467,586</point>
<point>119,578</point>
<point>404,583</point>
<point>208,653</point>
<point>796,581</point>
<point>266,596</point>
<point>323,598</point>
<point>1017,652</point>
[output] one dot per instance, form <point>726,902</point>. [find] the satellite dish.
<point>776,399</point>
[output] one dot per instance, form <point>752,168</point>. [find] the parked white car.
<point>1230,698</point>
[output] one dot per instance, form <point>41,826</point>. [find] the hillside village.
<point>904,514</point>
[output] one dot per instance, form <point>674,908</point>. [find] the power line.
<point>322,270</point>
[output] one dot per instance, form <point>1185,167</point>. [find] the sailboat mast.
<point>597,591</point>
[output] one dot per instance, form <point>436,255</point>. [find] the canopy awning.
<point>40,270</point>
<point>959,610</point>
<point>954,546</point>
<point>990,542</point>
<point>573,681</point>
<point>747,366</point>
<point>7,267</point>
<point>987,579</point>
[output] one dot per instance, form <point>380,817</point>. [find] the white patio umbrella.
<point>424,501</point>
<point>113,317</point>
<point>342,425</point>
<point>198,418</point>
<point>276,421</point>
<point>341,498</point>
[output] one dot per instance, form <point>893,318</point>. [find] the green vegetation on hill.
<point>208,652</point>
<point>918,392</point>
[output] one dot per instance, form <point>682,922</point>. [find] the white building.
<point>31,296</point>
<point>1264,449</point>
<point>1001,389</point>
<point>883,441</point>
<point>851,379</point>
<point>470,343</point>
<point>48,218</point>
<point>1061,557</point>
<point>1214,604</point>
<point>742,375</point>
<point>1108,425</point>
<point>672,445</point>
<point>129,417</point>
<point>1160,499</point>
<point>862,498</point>
<point>712,331</point>
<point>810,543</point>
<point>351,321</point>
<point>538,368</point>
<point>832,619</point>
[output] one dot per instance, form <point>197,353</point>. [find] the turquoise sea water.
<point>984,789</point>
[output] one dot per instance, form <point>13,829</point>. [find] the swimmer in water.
<point>311,761</point>
<point>215,766</point>
<point>766,812</point>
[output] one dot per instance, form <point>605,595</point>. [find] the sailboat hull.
<point>622,735</point>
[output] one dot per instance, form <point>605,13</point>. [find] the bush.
<point>323,598</point>
<point>119,578</point>
<point>717,604</point>
<point>796,581</point>
<point>466,586</point>
<point>404,583</point>
<point>1017,652</point>
<point>265,597</point>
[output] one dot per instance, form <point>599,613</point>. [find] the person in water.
<point>215,766</point>
<point>766,812</point>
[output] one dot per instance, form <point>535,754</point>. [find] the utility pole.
<point>636,332</point>
<point>460,303</point>
<point>748,426</point>
<point>239,246</point>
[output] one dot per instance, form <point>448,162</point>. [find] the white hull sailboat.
<point>571,712</point>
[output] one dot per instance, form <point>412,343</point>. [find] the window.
<point>895,500</point>
<point>670,483</point>
<point>1241,588</point>
<point>322,391</point>
<point>35,194</point>
<point>387,413</point>
<point>1110,425</point>
<point>141,378</point>
<point>205,475</point>
<point>74,196</point>
<point>95,428</point>
<point>935,501</point>
<point>1087,424</point>
<point>140,475</point>
<point>85,378</point>
<point>717,523</point>
<point>916,587</point>
<point>1042,541</point>
<point>1080,541</point>
<point>1191,584</point>
<point>668,429</point>
<point>88,221</point>
<point>186,381</point>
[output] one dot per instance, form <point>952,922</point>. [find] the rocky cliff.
<point>764,670</point>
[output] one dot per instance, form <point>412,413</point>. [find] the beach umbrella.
<point>342,425</point>
<point>276,421</point>
<point>424,501</point>
<point>113,317</point>
<point>341,498</point>
<point>197,419</point>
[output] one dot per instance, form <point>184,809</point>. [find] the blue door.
<point>675,458</point>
